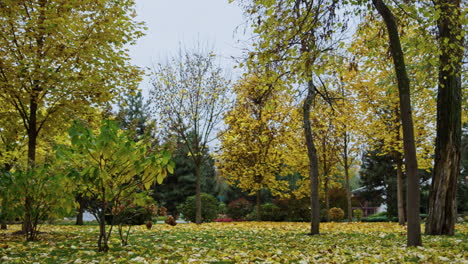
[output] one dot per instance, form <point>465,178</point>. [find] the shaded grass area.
<point>243,242</point>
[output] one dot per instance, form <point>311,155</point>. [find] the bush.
<point>323,215</point>
<point>358,214</point>
<point>271,212</point>
<point>130,215</point>
<point>170,220</point>
<point>238,209</point>
<point>336,214</point>
<point>210,208</point>
<point>222,208</point>
<point>296,210</point>
<point>380,219</point>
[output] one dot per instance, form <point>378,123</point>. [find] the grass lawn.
<point>241,242</point>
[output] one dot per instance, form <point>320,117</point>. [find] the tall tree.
<point>190,95</point>
<point>411,162</point>
<point>372,80</point>
<point>60,57</point>
<point>295,37</point>
<point>251,146</point>
<point>442,205</point>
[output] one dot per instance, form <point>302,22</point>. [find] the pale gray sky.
<point>171,22</point>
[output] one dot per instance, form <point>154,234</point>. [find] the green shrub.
<point>380,219</point>
<point>323,215</point>
<point>222,208</point>
<point>271,212</point>
<point>336,214</point>
<point>238,209</point>
<point>210,208</point>
<point>295,210</point>
<point>268,211</point>
<point>381,214</point>
<point>358,214</point>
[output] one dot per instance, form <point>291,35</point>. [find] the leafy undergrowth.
<point>237,242</point>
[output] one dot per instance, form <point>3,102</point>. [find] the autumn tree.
<point>442,207</point>
<point>60,59</point>
<point>372,80</point>
<point>190,93</point>
<point>411,163</point>
<point>112,169</point>
<point>295,36</point>
<point>252,145</point>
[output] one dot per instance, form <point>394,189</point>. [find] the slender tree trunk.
<point>442,201</point>
<point>79,216</point>
<point>327,198</point>
<point>259,206</point>
<point>411,163</point>
<point>346,171</point>
<point>400,193</point>
<point>32,142</point>
<point>198,213</point>
<point>313,161</point>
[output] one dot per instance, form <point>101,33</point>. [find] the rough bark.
<point>442,201</point>
<point>346,170</point>
<point>400,193</point>
<point>411,163</point>
<point>313,161</point>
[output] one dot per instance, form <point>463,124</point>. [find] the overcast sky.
<point>171,22</point>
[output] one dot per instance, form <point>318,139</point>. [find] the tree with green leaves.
<point>190,93</point>
<point>182,183</point>
<point>61,59</point>
<point>113,170</point>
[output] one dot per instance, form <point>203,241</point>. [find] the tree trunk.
<point>198,213</point>
<point>32,142</point>
<point>79,216</point>
<point>442,201</point>
<point>313,162</point>
<point>411,163</point>
<point>346,171</point>
<point>400,194</point>
<point>327,199</point>
<point>3,225</point>
<point>259,206</point>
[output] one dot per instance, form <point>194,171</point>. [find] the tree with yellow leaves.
<point>374,84</point>
<point>252,149</point>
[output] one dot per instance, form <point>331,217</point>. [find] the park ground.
<point>236,242</point>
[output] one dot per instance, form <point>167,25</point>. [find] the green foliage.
<point>358,214</point>
<point>238,209</point>
<point>182,182</point>
<point>110,168</point>
<point>336,214</point>
<point>269,212</point>
<point>210,208</point>
<point>49,193</point>
<point>294,209</point>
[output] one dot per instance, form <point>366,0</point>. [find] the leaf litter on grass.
<point>237,242</point>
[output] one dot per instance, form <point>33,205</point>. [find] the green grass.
<point>243,242</point>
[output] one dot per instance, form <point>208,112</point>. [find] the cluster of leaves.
<point>238,242</point>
